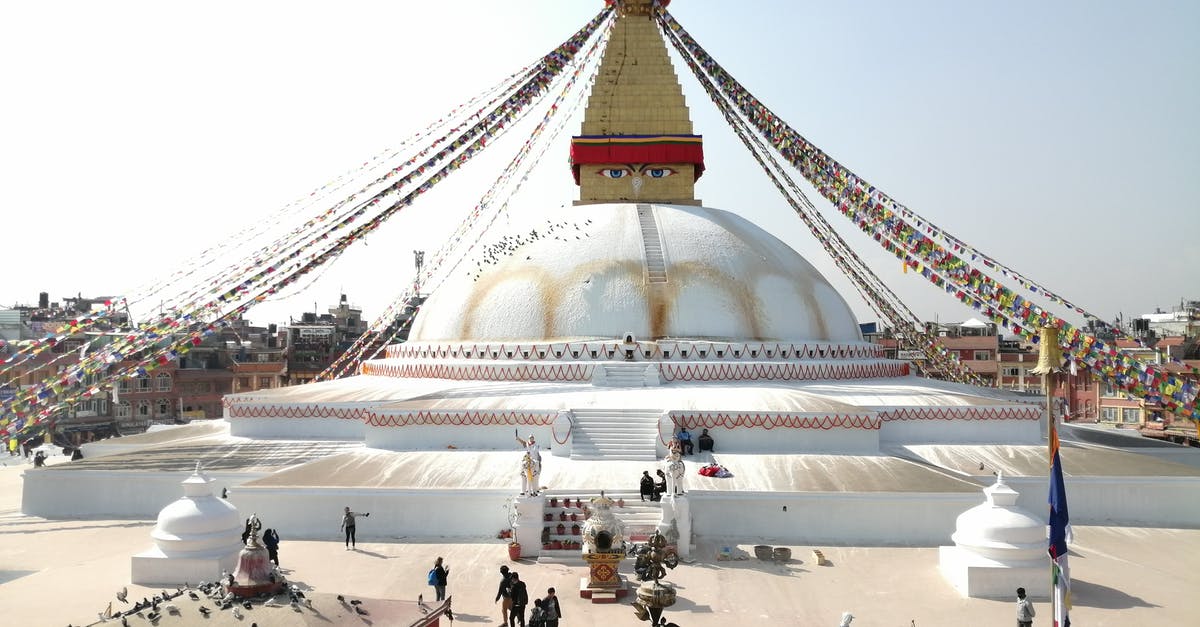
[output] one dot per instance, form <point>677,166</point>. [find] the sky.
<point>1060,138</point>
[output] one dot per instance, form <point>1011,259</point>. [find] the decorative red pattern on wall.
<point>709,420</point>
<point>295,411</point>
<point>961,413</point>
<point>515,372</point>
<point>460,418</point>
<point>781,372</point>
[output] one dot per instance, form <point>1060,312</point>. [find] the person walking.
<point>440,573</point>
<point>271,541</point>
<point>1025,611</point>
<point>503,592</point>
<point>520,599</point>
<point>647,486</point>
<point>553,611</point>
<point>348,518</point>
<point>537,616</point>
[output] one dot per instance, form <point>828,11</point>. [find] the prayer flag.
<point>1059,520</point>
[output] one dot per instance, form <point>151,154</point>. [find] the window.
<point>124,410</point>
<point>1109,414</point>
<point>982,355</point>
<point>1011,372</point>
<point>143,384</point>
<point>163,407</point>
<point>1108,389</point>
<point>143,409</point>
<point>163,382</point>
<point>123,386</point>
<point>243,383</point>
<point>1131,415</point>
<point>264,383</point>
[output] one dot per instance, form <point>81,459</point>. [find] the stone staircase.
<point>615,434</point>
<point>640,520</point>
<point>631,375</point>
<point>656,264</point>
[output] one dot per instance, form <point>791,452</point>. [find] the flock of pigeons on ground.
<point>152,609</point>
<point>493,253</point>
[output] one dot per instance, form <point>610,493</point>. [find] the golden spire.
<point>636,143</point>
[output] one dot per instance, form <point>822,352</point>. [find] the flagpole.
<point>1049,362</point>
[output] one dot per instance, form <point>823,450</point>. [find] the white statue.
<point>675,471</point>
<point>531,472</point>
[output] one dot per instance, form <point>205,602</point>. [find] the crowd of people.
<point>515,596</point>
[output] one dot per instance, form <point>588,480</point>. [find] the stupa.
<point>634,312</point>
<point>196,538</point>
<point>998,547</point>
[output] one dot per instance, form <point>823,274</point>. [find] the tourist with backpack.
<point>437,578</point>
<point>537,618</point>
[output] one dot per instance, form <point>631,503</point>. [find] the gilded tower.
<point>636,144</point>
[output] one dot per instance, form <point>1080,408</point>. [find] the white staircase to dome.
<point>626,434</point>
<point>631,375</point>
<point>656,263</point>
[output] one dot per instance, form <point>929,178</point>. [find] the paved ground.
<point>64,572</point>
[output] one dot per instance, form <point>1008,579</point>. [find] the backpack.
<point>537,618</point>
<point>433,576</point>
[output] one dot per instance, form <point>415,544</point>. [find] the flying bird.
<point>122,594</point>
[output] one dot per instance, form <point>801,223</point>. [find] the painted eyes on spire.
<point>614,173</point>
<point>620,173</point>
<point>659,173</point>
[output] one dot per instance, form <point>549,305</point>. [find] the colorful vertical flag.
<point>1059,521</point>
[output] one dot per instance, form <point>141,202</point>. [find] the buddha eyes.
<point>620,173</point>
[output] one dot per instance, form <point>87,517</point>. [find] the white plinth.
<point>979,577</point>
<point>153,568</point>
<point>527,528</point>
<point>677,508</point>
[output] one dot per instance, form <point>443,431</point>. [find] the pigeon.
<point>341,599</point>
<point>153,616</point>
<point>355,602</point>
<point>420,599</point>
<point>124,622</point>
<point>204,610</point>
<point>360,610</point>
<point>193,595</point>
<point>122,594</point>
<point>248,605</point>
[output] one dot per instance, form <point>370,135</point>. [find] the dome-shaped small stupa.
<point>998,546</point>
<point>196,537</point>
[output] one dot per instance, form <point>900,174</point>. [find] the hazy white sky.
<point>1061,138</point>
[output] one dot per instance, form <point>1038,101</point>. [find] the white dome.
<point>199,523</point>
<point>592,272</point>
<point>999,530</point>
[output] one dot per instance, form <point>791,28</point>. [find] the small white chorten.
<point>998,547</point>
<point>196,538</point>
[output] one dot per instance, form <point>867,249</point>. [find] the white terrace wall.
<point>888,519</point>
<point>72,494</point>
<point>786,440</point>
<point>315,513</point>
<point>1170,502</point>
<point>462,437</point>
<point>297,428</point>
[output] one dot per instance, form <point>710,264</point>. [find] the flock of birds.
<point>151,609</point>
<point>506,246</point>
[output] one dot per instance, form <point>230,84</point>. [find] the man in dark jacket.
<point>503,592</point>
<point>553,611</point>
<point>520,598</point>
<point>647,486</point>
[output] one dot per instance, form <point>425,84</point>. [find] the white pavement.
<point>64,572</point>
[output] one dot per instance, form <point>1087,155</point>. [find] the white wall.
<point>1171,502</point>
<point>909,519</point>
<point>297,428</point>
<point>316,513</point>
<point>464,437</point>
<point>73,494</point>
<point>782,440</point>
